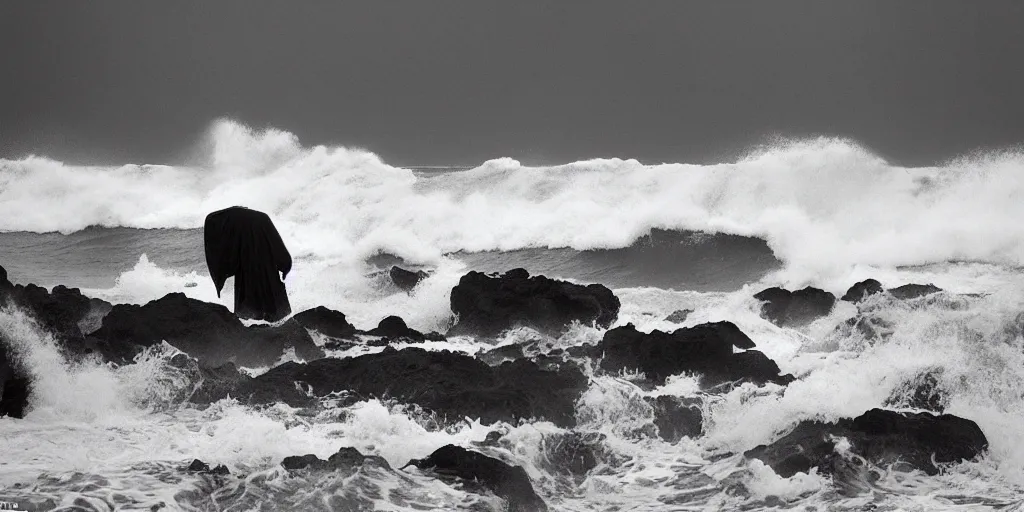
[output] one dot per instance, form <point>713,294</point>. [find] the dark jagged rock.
<point>487,306</point>
<point>206,331</point>
<point>199,466</point>
<point>913,291</point>
<point>14,382</point>
<point>449,383</point>
<point>923,392</point>
<point>793,309</point>
<point>406,279</point>
<point>506,481</point>
<point>861,290</point>
<point>678,316</point>
<point>65,312</point>
<point>677,417</point>
<point>706,349</point>
<point>327,322</point>
<point>346,459</point>
<point>394,328</point>
<point>881,437</point>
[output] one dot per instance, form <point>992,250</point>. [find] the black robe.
<point>245,244</point>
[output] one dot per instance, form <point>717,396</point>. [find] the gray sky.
<point>451,82</point>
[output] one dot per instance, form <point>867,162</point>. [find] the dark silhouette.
<point>245,244</point>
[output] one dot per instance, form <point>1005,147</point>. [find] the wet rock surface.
<point>706,349</point>
<point>504,480</point>
<point>209,332</point>
<point>393,329</point>
<point>63,312</point>
<point>913,291</point>
<point>326,321</point>
<point>406,279</point>
<point>881,437</point>
<point>345,459</point>
<point>487,306</point>
<point>448,383</point>
<point>862,290</point>
<point>797,308</point>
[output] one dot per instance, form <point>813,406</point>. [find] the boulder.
<point>406,279</point>
<point>326,321</point>
<point>676,417</point>
<point>451,384</point>
<point>862,290</point>
<point>913,291</point>
<point>345,459</point>
<point>881,437</point>
<point>506,481</point>
<point>794,309</point>
<point>706,349</point>
<point>394,328</point>
<point>487,306</point>
<point>209,332</point>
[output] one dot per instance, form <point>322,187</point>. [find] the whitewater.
<point>823,212</point>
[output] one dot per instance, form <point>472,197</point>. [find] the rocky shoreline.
<point>509,387</point>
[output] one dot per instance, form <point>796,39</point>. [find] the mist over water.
<point>822,212</point>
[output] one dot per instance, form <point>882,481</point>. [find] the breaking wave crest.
<point>824,206</point>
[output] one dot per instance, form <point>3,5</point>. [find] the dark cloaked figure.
<point>245,244</point>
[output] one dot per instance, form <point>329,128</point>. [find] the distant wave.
<point>823,205</point>
<point>663,259</point>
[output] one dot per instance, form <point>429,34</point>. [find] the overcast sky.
<point>434,83</point>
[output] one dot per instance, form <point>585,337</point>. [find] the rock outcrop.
<point>406,279</point>
<point>206,331</point>
<point>504,480</point>
<point>451,384</point>
<point>346,459</point>
<point>706,349</point>
<point>393,329</point>
<point>794,309</point>
<point>326,321</point>
<point>913,291</point>
<point>879,436</point>
<point>63,312</point>
<point>862,290</point>
<point>487,306</point>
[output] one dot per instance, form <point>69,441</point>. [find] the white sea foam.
<point>824,205</point>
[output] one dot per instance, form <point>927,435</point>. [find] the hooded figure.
<point>245,244</point>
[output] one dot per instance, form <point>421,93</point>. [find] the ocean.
<point>820,212</point>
